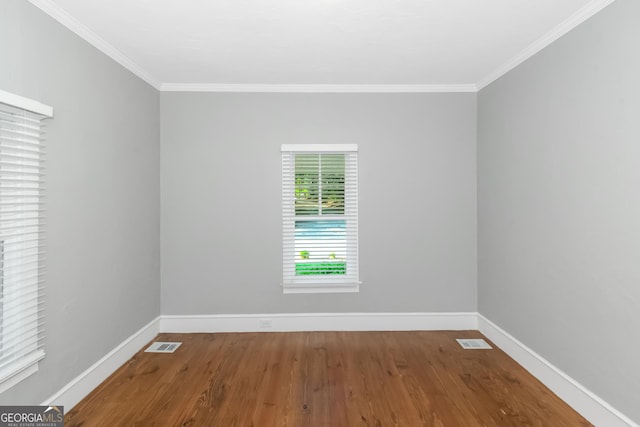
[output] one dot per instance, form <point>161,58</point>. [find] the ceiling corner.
<point>586,12</point>
<point>60,15</point>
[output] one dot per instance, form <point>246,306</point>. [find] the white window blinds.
<point>320,218</point>
<point>21,246</point>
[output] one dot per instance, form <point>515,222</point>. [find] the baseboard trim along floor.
<point>589,405</point>
<point>72,393</point>
<point>293,322</point>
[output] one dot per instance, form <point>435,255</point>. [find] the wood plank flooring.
<point>319,379</point>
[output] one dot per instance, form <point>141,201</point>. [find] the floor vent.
<point>163,347</point>
<point>474,344</point>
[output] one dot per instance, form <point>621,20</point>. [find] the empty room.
<point>320,213</point>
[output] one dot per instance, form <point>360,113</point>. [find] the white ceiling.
<point>411,44</point>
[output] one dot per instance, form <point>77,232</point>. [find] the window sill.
<point>19,371</point>
<point>321,289</point>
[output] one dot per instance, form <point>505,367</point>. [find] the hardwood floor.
<point>322,379</point>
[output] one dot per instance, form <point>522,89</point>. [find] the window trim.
<point>26,104</point>
<point>321,284</point>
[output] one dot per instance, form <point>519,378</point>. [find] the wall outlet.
<point>265,324</point>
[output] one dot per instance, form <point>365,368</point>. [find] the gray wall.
<point>102,278</point>
<point>221,199</point>
<point>559,204</point>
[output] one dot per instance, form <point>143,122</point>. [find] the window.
<point>21,246</point>
<point>320,218</point>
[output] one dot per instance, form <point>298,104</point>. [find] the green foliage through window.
<point>319,184</point>
<point>315,268</point>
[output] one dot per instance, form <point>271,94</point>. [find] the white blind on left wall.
<point>21,237</point>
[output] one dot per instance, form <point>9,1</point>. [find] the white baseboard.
<point>76,390</point>
<point>593,408</point>
<point>590,406</point>
<point>318,322</point>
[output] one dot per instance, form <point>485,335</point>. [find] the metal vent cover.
<point>163,347</point>
<point>474,344</point>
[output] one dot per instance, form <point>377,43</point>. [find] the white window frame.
<point>21,240</point>
<point>349,282</point>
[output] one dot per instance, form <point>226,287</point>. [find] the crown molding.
<point>63,17</point>
<point>560,30</point>
<point>319,88</point>
<point>56,12</point>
